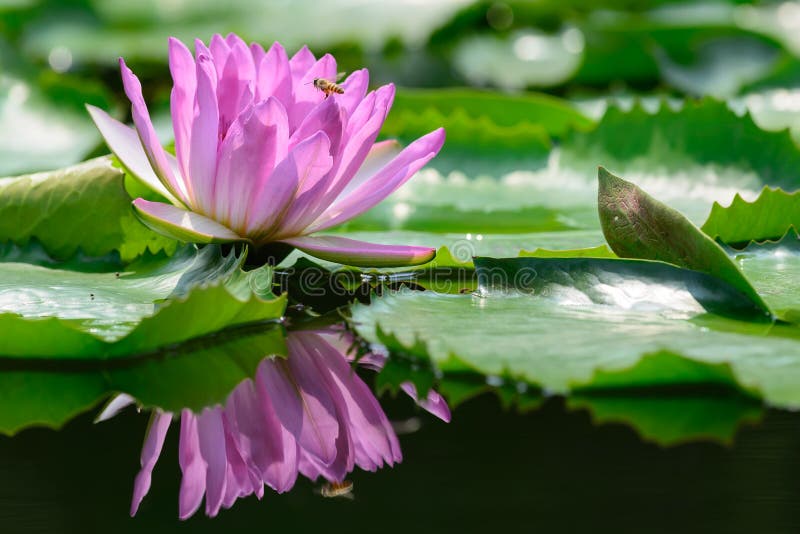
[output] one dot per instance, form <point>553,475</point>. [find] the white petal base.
<point>183,225</point>
<point>124,142</point>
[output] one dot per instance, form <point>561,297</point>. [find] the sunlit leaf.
<point>51,313</point>
<point>768,217</point>
<point>81,208</point>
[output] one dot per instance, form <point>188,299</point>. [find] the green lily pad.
<point>51,313</point>
<point>193,375</point>
<point>768,217</point>
<point>81,208</point>
<point>560,338</point>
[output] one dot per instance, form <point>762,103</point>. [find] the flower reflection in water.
<point>307,414</point>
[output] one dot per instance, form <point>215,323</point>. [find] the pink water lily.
<point>262,156</point>
<point>308,414</point>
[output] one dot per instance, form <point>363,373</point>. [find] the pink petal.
<point>378,157</point>
<point>204,137</point>
<point>181,224</point>
<point>358,145</point>
<point>281,472</point>
<point>193,483</point>
<point>305,95</point>
<point>261,437</point>
<point>433,403</point>
<point>327,117</point>
<point>305,163</point>
<point>274,77</point>
<point>303,345</point>
<point>212,447</point>
<point>234,40</point>
<point>303,404</point>
<point>240,479</point>
<point>355,88</point>
<point>184,86</point>
<point>371,431</point>
<point>301,62</point>
<point>144,127</point>
<point>153,442</point>
<point>219,52</point>
<point>384,182</point>
<point>235,86</point>
<point>124,142</point>
<point>359,253</point>
<point>256,141</point>
<point>258,53</point>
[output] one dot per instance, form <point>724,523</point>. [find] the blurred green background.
<point>56,55</point>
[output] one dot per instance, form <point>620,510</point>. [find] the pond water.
<point>548,470</point>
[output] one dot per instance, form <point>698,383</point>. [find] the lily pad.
<point>768,217</point>
<point>80,208</point>
<point>51,313</point>
<point>192,375</point>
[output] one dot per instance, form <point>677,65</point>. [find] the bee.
<point>343,489</point>
<point>328,87</point>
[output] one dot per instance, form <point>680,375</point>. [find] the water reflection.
<point>308,414</point>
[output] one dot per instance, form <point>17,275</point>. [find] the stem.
<point>269,254</point>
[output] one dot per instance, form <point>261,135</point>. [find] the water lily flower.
<point>308,414</point>
<point>262,155</point>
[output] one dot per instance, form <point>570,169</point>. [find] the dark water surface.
<point>491,470</point>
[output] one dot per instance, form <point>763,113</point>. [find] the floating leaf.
<point>81,208</point>
<point>625,283</point>
<point>193,375</point>
<point>556,116</point>
<point>52,313</point>
<point>561,337</point>
<point>768,217</point>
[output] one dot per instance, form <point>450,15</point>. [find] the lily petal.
<point>371,431</point>
<point>153,442</point>
<point>384,182</point>
<point>204,136</point>
<point>434,403</point>
<point>256,141</point>
<point>305,163</point>
<point>181,101</point>
<point>262,439</point>
<point>211,434</point>
<point>359,253</point>
<point>182,224</point>
<point>355,87</point>
<point>280,473</point>
<point>303,404</point>
<point>124,142</point>
<point>359,144</point>
<point>274,77</point>
<point>147,133</point>
<point>193,482</point>
<point>305,94</point>
<point>378,157</point>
